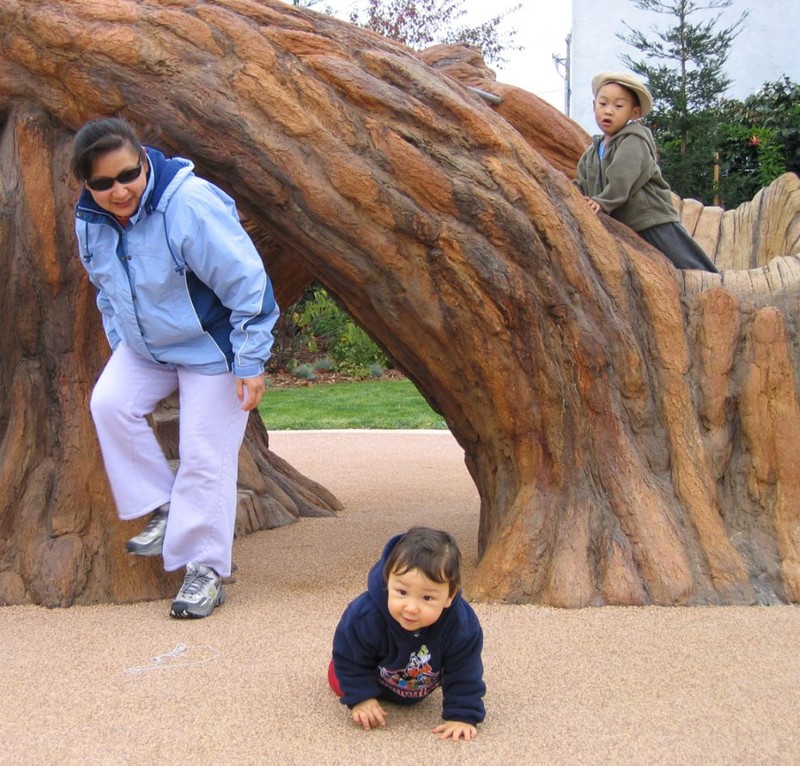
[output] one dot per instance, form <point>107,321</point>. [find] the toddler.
<point>410,632</point>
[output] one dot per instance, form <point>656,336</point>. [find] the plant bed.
<point>286,379</point>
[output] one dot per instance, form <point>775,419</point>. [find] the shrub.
<point>323,328</point>
<point>304,371</point>
<point>323,364</point>
<point>354,351</point>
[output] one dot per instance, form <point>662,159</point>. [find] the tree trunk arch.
<point>631,429</point>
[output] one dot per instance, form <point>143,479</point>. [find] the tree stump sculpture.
<point>631,430</point>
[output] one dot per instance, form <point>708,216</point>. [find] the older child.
<point>409,633</point>
<point>619,173</point>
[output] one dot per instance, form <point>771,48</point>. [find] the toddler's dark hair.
<point>95,139</point>
<point>634,94</point>
<point>434,552</point>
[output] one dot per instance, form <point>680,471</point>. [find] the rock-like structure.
<point>754,233</point>
<point>630,429</point>
<point>560,141</point>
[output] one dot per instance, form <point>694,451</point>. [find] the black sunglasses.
<point>125,177</point>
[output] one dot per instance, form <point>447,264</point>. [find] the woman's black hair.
<point>434,552</point>
<point>95,139</point>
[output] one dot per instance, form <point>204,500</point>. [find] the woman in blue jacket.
<point>186,305</point>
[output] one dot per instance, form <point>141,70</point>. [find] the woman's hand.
<point>250,391</point>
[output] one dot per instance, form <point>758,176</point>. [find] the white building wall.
<point>764,51</point>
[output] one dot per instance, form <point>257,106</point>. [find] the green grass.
<point>387,404</point>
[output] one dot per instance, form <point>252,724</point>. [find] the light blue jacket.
<point>182,282</point>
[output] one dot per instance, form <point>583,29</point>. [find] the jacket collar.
<point>161,174</point>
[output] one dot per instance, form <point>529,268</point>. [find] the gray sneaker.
<point>201,591</point>
<point>151,539</point>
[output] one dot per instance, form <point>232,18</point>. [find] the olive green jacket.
<point>627,184</point>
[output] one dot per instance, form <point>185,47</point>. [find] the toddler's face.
<point>614,108</point>
<point>415,601</point>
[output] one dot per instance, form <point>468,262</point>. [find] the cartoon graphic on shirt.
<point>416,679</point>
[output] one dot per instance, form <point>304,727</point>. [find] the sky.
<point>542,26</point>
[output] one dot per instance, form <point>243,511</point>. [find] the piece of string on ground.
<point>180,657</point>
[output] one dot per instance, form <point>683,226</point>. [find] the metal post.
<point>566,62</point>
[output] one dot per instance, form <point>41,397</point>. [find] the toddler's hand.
<point>593,206</point>
<point>455,730</point>
<point>369,714</point>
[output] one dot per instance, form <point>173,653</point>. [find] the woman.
<point>187,306</point>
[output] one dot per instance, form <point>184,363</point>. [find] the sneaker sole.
<point>145,550</point>
<point>184,611</point>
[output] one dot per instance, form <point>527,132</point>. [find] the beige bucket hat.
<point>627,81</point>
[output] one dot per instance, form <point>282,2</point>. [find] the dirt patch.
<point>283,379</point>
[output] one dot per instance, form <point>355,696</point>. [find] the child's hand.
<point>455,730</point>
<point>593,206</point>
<point>369,714</point>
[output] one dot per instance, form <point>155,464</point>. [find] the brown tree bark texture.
<point>630,429</point>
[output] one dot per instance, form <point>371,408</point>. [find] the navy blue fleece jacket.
<point>375,657</point>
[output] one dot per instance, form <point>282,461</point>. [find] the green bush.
<point>304,371</point>
<point>753,142</point>
<point>758,140</point>
<point>324,330</point>
<point>749,159</point>
<point>319,319</point>
<point>355,352</point>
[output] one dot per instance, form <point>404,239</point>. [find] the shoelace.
<point>154,524</point>
<point>154,527</point>
<point>194,582</point>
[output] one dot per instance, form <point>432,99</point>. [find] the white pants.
<point>202,494</point>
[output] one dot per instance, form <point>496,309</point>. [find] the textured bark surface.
<point>560,141</point>
<point>754,233</point>
<point>631,430</point>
